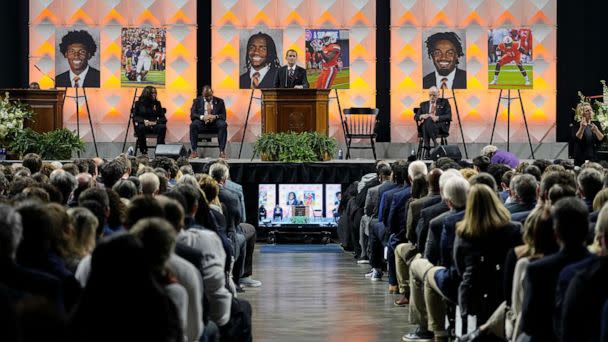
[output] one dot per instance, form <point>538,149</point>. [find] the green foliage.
<point>295,147</point>
<point>54,145</point>
<point>299,220</point>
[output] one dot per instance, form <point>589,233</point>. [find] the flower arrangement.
<point>12,115</point>
<point>599,108</point>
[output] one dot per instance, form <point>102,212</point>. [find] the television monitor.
<point>333,195</point>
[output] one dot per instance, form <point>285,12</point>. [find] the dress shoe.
<point>222,155</point>
<point>392,289</point>
<point>194,154</point>
<point>403,301</point>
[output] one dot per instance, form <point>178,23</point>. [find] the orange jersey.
<point>334,61</point>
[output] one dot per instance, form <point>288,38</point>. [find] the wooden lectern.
<point>297,110</point>
<point>46,104</point>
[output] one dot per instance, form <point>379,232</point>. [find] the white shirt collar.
<point>291,67</point>
<point>82,76</point>
<point>262,72</point>
<point>449,82</point>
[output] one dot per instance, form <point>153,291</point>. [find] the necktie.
<point>76,79</point>
<point>208,109</point>
<point>444,83</point>
<point>432,112</point>
<point>290,73</point>
<point>255,80</point>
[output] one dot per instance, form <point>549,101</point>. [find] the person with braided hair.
<point>445,49</point>
<point>262,62</point>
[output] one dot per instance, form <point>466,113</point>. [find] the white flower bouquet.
<point>12,115</point>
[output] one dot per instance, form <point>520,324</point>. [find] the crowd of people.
<point>484,250</point>
<point>123,249</point>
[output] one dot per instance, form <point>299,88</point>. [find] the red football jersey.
<point>512,51</point>
<point>334,61</point>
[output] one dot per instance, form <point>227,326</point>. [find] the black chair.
<point>360,123</point>
<point>148,136</point>
<point>205,137</point>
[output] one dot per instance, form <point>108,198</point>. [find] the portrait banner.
<point>77,53</point>
<point>444,59</point>
<point>260,55</point>
<point>144,57</point>
<point>327,59</point>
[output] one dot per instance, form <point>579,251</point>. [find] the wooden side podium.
<point>47,104</point>
<point>297,110</point>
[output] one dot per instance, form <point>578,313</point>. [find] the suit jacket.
<point>238,190</point>
<point>142,112</point>
<point>517,207</point>
<point>413,213</point>
<point>198,108</point>
<point>426,215</point>
<point>396,215</point>
<point>91,81</point>
<point>371,200</point>
<point>460,80</point>
<point>539,292</point>
<point>520,216</point>
<point>266,82</point>
<point>299,78</point>
<point>232,213</point>
<point>385,204</point>
<point>443,111</point>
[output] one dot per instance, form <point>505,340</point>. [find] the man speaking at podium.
<point>291,75</point>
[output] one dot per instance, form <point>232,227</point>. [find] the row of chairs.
<point>359,123</point>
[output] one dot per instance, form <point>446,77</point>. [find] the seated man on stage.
<point>208,111</point>
<point>291,75</point>
<point>149,117</point>
<point>434,117</point>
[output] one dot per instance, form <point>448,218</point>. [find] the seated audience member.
<point>112,172</point>
<point>220,173</point>
<point>468,173</point>
<point>146,312</point>
<point>33,162</point>
<point>101,197</point>
<point>149,117</point>
<point>481,163</point>
<point>586,293</point>
<point>180,279</point>
<point>26,281</point>
<point>483,238</point>
<point>150,184</point>
<point>169,166</point>
<point>118,211</point>
<point>570,221</point>
<point>126,189</point>
<point>523,196</point>
<point>65,182</point>
<point>84,224</point>
<point>208,111</point>
<point>484,178</point>
<point>499,156</point>
<point>433,118</point>
<point>432,284</point>
<point>589,183</point>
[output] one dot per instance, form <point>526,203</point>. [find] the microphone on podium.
<point>52,79</point>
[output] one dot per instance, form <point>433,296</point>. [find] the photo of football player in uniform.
<point>513,68</point>
<point>328,60</point>
<point>144,57</point>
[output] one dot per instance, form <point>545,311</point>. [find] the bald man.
<point>208,111</point>
<point>433,118</point>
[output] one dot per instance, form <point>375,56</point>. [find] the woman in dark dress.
<point>149,117</point>
<point>586,135</point>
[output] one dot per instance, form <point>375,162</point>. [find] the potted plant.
<point>60,144</point>
<point>322,145</point>
<point>267,147</point>
<point>295,147</point>
<point>23,142</point>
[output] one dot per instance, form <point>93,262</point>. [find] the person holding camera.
<point>587,135</point>
<point>149,117</point>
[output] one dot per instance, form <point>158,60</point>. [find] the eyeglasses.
<point>74,52</point>
<point>439,53</point>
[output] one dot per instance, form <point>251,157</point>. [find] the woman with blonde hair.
<point>483,238</point>
<point>586,134</point>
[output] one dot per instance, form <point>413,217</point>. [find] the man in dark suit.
<point>291,75</point>
<point>445,49</point>
<point>434,117</point>
<point>78,47</point>
<point>570,221</point>
<point>207,112</point>
<point>262,62</point>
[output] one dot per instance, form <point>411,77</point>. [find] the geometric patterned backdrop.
<point>110,104</point>
<point>293,17</point>
<point>477,104</point>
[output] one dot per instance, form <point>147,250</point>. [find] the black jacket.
<point>460,80</point>
<point>232,213</point>
<point>443,111</point>
<point>266,82</point>
<point>479,261</point>
<point>149,111</point>
<point>281,80</point>
<point>198,108</point>
<point>91,81</point>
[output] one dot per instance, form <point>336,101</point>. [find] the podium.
<point>297,110</point>
<point>46,104</point>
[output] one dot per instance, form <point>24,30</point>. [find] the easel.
<point>464,144</point>
<point>340,110</point>
<point>124,144</point>
<point>523,113</point>
<point>247,120</point>
<point>86,102</point>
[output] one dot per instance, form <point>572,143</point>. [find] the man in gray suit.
<point>371,210</point>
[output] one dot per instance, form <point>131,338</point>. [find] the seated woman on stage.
<point>149,117</point>
<point>587,134</point>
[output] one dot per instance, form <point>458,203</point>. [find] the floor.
<point>321,297</point>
